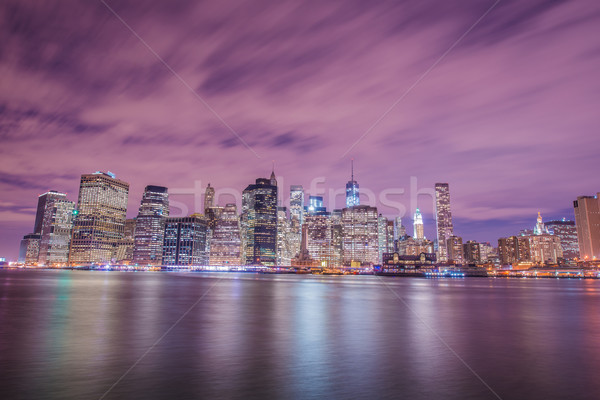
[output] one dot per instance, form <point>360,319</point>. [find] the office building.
<point>567,233</point>
<point>418,231</point>
<point>150,229</point>
<point>454,244</point>
<point>587,220</point>
<point>285,249</point>
<point>127,244</point>
<point>100,220</point>
<point>472,252</point>
<point>297,205</point>
<point>352,191</point>
<point>56,230</point>
<point>443,219</point>
<point>259,220</point>
<point>29,249</point>
<point>209,198</point>
<point>360,235</point>
<point>186,241</point>
<point>225,244</point>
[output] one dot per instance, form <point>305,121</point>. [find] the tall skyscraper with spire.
<point>352,195</point>
<point>418,233</point>
<point>443,220</point>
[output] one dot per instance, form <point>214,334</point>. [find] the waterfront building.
<point>319,240</point>
<point>100,219</point>
<point>487,252</point>
<point>225,243</point>
<point>454,244</point>
<point>567,232</point>
<point>29,249</point>
<point>127,244</point>
<point>545,249</point>
<point>443,219</point>
<point>360,235</point>
<point>418,231</point>
<point>57,227</point>
<point>389,245</point>
<point>43,199</point>
<point>150,229</point>
<point>352,190</point>
<point>284,238</point>
<point>472,252</point>
<point>382,236</point>
<point>186,241</point>
<point>587,220</point>
<point>409,246</point>
<point>259,222</point>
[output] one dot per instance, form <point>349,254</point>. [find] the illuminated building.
<point>49,196</point>
<point>150,229</point>
<point>127,244</point>
<point>540,228</point>
<point>587,220</point>
<point>443,219</point>
<point>284,238</point>
<point>408,246</point>
<point>454,244</point>
<point>567,232</point>
<point>390,237</point>
<point>544,249</point>
<point>399,229</point>
<point>472,252</point>
<point>296,218</point>
<point>297,204</point>
<point>320,242</point>
<point>315,205</point>
<point>487,252</point>
<point>209,197</point>
<point>29,249</point>
<point>259,220</point>
<point>100,220</point>
<point>225,244</point>
<point>337,243</point>
<point>382,234</point>
<point>352,194</point>
<point>360,235</point>
<point>57,227</point>
<point>186,241</point>
<point>418,231</point>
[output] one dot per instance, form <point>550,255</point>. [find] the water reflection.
<point>67,334</point>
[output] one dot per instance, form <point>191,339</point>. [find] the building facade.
<point>418,230</point>
<point>225,244</point>
<point>360,235</point>
<point>150,228</point>
<point>186,241</point>
<point>100,218</point>
<point>567,232</point>
<point>259,220</point>
<point>587,220</point>
<point>56,231</point>
<point>443,219</point>
<point>29,249</point>
<point>352,190</point>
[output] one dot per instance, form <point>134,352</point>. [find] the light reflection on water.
<point>68,334</point>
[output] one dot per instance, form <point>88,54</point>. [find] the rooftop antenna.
<point>352,168</point>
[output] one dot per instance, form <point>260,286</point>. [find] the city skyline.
<point>498,118</point>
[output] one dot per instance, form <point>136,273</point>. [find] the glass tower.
<point>150,229</point>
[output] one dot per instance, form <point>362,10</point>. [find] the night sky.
<point>509,116</point>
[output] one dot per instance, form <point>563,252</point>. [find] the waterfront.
<point>73,334</point>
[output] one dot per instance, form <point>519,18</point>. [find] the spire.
<point>273,180</point>
<point>352,169</point>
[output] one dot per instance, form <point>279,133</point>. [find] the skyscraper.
<point>352,195</point>
<point>259,219</point>
<point>540,228</point>
<point>443,219</point>
<point>587,219</point>
<point>150,229</point>
<point>41,208</point>
<point>567,232</point>
<point>29,249</point>
<point>225,244</point>
<point>360,235</point>
<point>57,226</point>
<point>297,203</point>
<point>284,238</point>
<point>418,231</point>
<point>209,198</point>
<point>100,219</point>
<point>127,244</point>
<point>186,241</point>
<point>455,249</point>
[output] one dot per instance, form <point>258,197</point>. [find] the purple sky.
<point>509,117</point>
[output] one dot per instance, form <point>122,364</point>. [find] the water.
<point>73,335</point>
